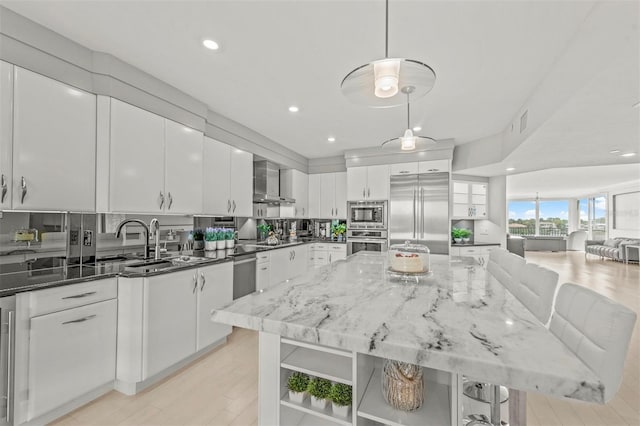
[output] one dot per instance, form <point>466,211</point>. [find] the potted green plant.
<point>456,234</point>
<point>465,234</point>
<point>338,230</point>
<point>210,238</point>
<point>229,238</point>
<point>297,385</point>
<point>319,390</point>
<point>340,396</point>
<point>263,231</point>
<point>198,239</point>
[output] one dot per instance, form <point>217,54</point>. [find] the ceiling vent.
<point>523,121</point>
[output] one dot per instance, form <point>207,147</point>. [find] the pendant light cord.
<point>408,112</point>
<point>386,30</point>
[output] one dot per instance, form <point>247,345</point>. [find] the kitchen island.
<point>341,320</point>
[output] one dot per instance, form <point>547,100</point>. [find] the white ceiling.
<point>489,57</point>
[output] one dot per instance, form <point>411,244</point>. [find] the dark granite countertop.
<point>453,245</point>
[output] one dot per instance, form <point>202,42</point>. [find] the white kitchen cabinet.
<point>170,320</point>
<point>156,164</point>
<point>183,169</point>
<point>432,166</point>
<point>54,144</point>
<point>263,270</point>
<point>288,263</point>
<point>294,184</point>
<point>264,211</point>
<point>6,135</point>
<point>71,352</point>
<point>325,253</point>
<point>65,347</point>
<point>333,203</point>
<point>314,195</point>
<point>479,253</point>
<point>215,289</point>
<point>469,200</point>
<point>368,183</point>
<point>228,180</point>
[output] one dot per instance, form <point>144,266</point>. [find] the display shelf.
<point>324,415</point>
<point>434,411</point>
<point>327,365</point>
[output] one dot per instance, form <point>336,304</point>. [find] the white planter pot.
<point>318,403</point>
<point>220,244</point>
<point>297,397</point>
<point>341,410</point>
<point>210,245</point>
<point>230,243</point>
<point>198,245</point>
<point>457,240</point>
<point>465,240</point>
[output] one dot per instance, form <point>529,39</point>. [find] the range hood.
<point>266,184</point>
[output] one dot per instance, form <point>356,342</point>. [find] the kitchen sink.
<point>161,264</point>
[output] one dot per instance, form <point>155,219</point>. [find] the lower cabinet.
<point>164,321</point>
<point>288,263</point>
<point>325,253</point>
<point>263,270</point>
<point>65,348</point>
<point>479,253</point>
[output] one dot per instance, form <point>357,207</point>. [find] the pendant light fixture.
<point>408,142</point>
<point>379,83</point>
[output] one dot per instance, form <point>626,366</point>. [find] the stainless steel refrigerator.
<point>419,210</point>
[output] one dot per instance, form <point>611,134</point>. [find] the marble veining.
<point>460,319</point>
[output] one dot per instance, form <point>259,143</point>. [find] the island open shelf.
<point>327,363</point>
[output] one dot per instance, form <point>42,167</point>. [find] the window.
<point>593,216</point>
<point>554,218</point>
<point>522,217</point>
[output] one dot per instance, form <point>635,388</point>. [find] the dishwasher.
<point>244,275</point>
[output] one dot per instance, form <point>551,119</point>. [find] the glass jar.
<point>409,258</point>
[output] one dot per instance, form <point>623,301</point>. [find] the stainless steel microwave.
<point>369,214</point>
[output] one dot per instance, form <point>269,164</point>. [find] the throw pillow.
<point>612,243</point>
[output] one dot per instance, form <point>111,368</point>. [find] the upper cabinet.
<point>368,183</point>
<point>469,200</point>
<point>53,148</point>
<point>228,180</point>
<point>332,202</point>
<point>294,184</point>
<point>432,166</point>
<point>156,164</point>
<point>6,135</point>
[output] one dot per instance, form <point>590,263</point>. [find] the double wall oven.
<point>367,226</point>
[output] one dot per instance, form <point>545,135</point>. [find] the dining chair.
<point>596,329</point>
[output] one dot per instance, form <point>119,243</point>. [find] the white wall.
<point>632,232</point>
<point>495,228</point>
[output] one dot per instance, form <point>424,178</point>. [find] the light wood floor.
<point>221,388</point>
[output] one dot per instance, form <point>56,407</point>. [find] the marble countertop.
<point>460,319</point>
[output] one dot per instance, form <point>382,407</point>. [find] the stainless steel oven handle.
<point>374,241</point>
<point>9,368</point>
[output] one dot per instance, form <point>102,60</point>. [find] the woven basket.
<point>402,385</point>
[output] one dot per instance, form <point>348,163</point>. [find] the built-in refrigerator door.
<point>403,209</point>
<point>433,214</point>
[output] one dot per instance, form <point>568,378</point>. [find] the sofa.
<point>545,243</point>
<point>613,248</point>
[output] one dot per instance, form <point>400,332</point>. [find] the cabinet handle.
<point>87,318</point>
<point>295,211</point>
<point>303,211</point>
<point>170,201</point>
<point>336,211</point>
<point>263,268</point>
<point>363,192</point>
<point>204,280</point>
<point>368,192</point>
<point>290,255</point>
<point>161,199</point>
<point>195,283</point>
<point>24,189</point>
<point>10,368</point>
<point>329,257</point>
<point>234,206</point>
<point>79,296</point>
<point>228,206</point>
<point>294,255</point>
<point>4,188</point>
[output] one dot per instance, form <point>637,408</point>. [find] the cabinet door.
<point>6,135</point>
<point>299,261</point>
<point>241,178</point>
<point>169,326</point>
<point>262,275</point>
<point>403,169</point>
<point>327,195</point>
<point>337,252</point>
<point>216,177</point>
<point>356,183</point>
<point>137,160</point>
<point>340,200</point>
<point>314,195</point>
<point>215,289</point>
<point>301,193</point>
<point>378,182</point>
<point>183,169</point>
<point>71,352</point>
<point>54,145</point>
<point>280,264</point>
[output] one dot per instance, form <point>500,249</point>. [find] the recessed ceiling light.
<point>210,44</point>
<point>614,151</point>
<point>628,154</point>
<point>417,129</point>
<point>331,139</point>
<point>293,108</point>
<point>510,169</point>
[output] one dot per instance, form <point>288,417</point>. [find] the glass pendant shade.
<point>408,141</point>
<point>386,77</point>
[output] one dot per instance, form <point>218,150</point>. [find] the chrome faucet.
<point>146,230</point>
<point>154,226</point>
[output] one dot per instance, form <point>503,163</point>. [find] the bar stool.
<point>535,289</point>
<point>596,329</point>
